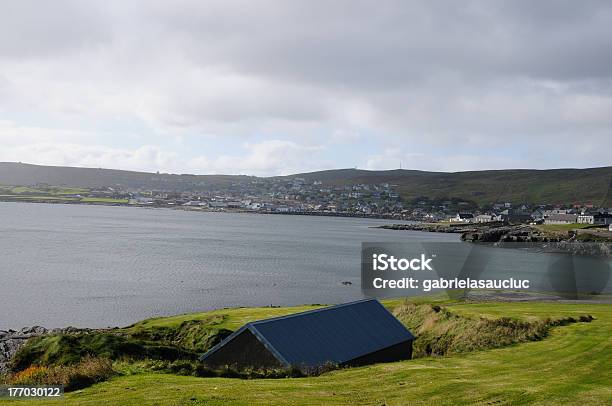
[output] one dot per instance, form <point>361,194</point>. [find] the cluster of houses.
<point>298,195</point>
<point>294,195</point>
<point>581,215</point>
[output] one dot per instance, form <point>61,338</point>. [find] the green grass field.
<point>103,200</point>
<point>570,366</point>
<point>48,190</point>
<point>563,228</point>
<point>22,189</point>
<point>53,194</point>
<point>40,197</point>
<point>232,319</point>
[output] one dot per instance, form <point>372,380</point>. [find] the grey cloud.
<point>33,29</point>
<point>342,43</point>
<point>361,44</point>
<point>513,72</point>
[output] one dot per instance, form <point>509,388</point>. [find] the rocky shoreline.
<point>485,232</point>
<point>12,340</point>
<point>500,233</point>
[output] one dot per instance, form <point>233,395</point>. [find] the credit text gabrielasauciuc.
<point>385,262</point>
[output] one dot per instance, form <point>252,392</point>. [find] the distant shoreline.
<point>206,210</point>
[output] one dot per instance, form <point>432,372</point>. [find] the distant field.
<point>50,190</point>
<point>52,193</point>
<point>102,200</point>
<point>42,197</point>
<point>570,366</point>
<point>562,227</point>
<point>21,189</point>
<point>64,199</point>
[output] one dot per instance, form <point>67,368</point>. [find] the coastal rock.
<point>34,330</point>
<point>519,233</point>
<point>432,227</point>
<point>11,341</point>
<point>500,233</point>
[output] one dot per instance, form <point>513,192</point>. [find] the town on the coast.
<point>297,195</point>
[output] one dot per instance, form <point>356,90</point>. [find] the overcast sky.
<point>279,87</point>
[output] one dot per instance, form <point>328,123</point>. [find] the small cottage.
<point>355,333</point>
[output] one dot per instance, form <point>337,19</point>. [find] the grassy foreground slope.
<point>571,366</point>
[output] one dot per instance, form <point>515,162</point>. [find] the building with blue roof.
<point>355,333</point>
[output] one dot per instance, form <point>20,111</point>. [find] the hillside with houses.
<point>554,197</point>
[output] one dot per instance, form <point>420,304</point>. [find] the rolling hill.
<point>12,173</point>
<point>550,186</point>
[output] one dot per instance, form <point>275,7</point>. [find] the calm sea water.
<point>97,266</point>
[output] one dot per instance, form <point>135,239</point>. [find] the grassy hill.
<point>12,173</point>
<point>569,366</point>
<point>549,186</point>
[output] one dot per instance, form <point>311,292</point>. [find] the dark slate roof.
<point>335,334</point>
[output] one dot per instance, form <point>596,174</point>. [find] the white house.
<point>601,219</point>
<point>194,203</point>
<point>485,218</point>
<point>548,213</point>
<point>462,218</point>
<point>141,200</point>
<point>255,206</point>
<point>561,219</point>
